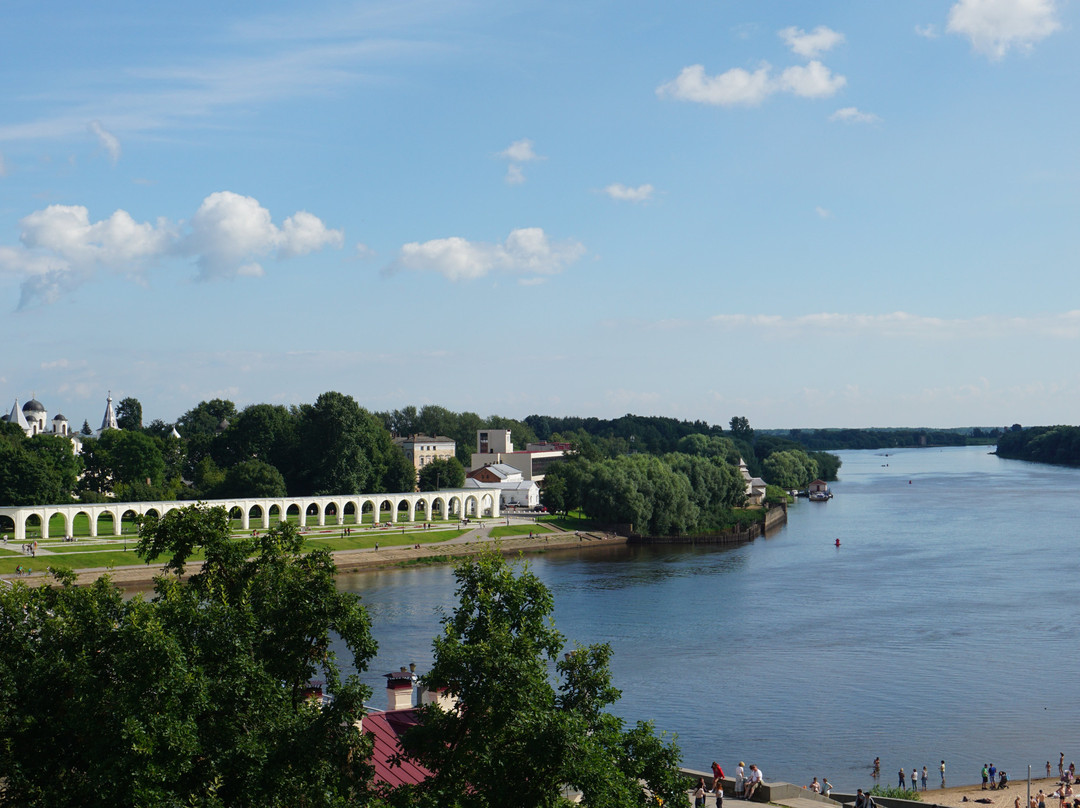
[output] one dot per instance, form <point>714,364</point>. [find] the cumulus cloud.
<point>738,86</point>
<point>813,44</point>
<point>228,229</point>
<point>526,251</point>
<point>928,31</point>
<point>109,142</point>
<point>624,193</point>
<point>823,213</point>
<point>854,115</point>
<point>60,247</point>
<point>994,27</point>
<point>518,152</point>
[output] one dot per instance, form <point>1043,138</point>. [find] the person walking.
<point>717,775</point>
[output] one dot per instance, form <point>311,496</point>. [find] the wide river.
<point>945,626</point>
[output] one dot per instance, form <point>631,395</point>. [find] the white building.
<point>513,489</point>
<point>33,418</point>
<point>493,447</point>
<point>422,449</point>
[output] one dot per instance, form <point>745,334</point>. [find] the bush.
<point>894,792</point>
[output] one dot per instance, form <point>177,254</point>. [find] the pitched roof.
<point>17,417</point>
<point>387,729</point>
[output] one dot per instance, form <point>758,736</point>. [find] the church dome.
<point>59,417</point>
<point>33,405</point>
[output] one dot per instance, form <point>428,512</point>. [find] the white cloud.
<point>520,151</point>
<point>3,167</point>
<point>61,247</point>
<point>514,174</point>
<point>526,251</point>
<point>109,142</point>
<point>119,241</point>
<point>996,26</point>
<point>928,31</point>
<point>854,115</point>
<point>738,86</point>
<point>812,80</point>
<point>824,213</point>
<point>625,193</point>
<point>813,44</point>
<point>735,86</point>
<point>228,229</point>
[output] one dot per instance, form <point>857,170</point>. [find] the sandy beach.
<point>954,796</point>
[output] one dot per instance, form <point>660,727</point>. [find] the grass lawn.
<point>519,530</point>
<point>575,521</point>
<point>360,541</point>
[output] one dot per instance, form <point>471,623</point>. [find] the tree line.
<point>1059,445</point>
<point>200,695</point>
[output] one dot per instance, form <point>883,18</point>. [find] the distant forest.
<point>1042,444</point>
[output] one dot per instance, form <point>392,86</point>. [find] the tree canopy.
<point>196,697</point>
<point>514,739</point>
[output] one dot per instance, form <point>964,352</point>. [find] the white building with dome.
<point>33,418</point>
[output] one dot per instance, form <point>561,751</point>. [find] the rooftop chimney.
<point>399,689</point>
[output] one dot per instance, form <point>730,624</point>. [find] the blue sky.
<point>814,214</point>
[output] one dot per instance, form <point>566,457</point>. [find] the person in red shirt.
<point>717,775</point>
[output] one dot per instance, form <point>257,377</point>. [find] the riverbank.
<point>369,558</point>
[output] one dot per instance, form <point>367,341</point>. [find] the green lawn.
<point>519,530</point>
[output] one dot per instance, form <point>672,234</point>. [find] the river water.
<point>943,627</point>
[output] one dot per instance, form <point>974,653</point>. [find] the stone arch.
<point>487,505</point>
<point>59,524</point>
<point>388,506</point>
<point>421,505</point>
<point>7,525</point>
<point>453,507</point>
<point>369,507</point>
<point>78,516</point>
<point>153,512</point>
<point>294,511</point>
<point>471,505</point>
<point>255,512</point>
<point>236,514</point>
<point>129,522</point>
<point>347,510</point>
<point>32,525</point>
<point>107,523</point>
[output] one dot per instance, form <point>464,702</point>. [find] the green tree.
<point>513,740</point>
<point>28,478</point>
<point>740,429</point>
<point>251,478</point>
<point>790,469</point>
<point>59,452</point>
<point>129,414</point>
<point>441,473</point>
<point>194,698</point>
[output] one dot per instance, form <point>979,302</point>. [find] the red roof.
<point>388,727</point>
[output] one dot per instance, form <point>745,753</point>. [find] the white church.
<point>33,419</point>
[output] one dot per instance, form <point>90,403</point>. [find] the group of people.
<point>993,778</point>
<point>747,783</point>
<point>1067,775</point>
<point>916,778</point>
<point>1064,795</point>
<point>824,787</point>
